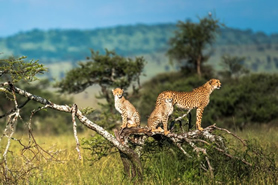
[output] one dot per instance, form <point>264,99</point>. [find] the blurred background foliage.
<point>67,47</point>
<point>244,61</point>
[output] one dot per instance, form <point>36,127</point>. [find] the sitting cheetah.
<point>161,113</point>
<point>130,116</point>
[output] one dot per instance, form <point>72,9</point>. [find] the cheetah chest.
<point>119,104</point>
<point>170,109</point>
<point>119,107</point>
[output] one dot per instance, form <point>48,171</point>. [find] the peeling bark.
<point>74,108</point>
<point>132,163</point>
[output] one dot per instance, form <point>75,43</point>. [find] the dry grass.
<point>65,168</point>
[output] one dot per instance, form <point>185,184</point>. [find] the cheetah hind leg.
<point>121,130</point>
<point>199,114</point>
<point>131,124</point>
<point>173,125</point>
<point>166,131</point>
<point>159,129</point>
<point>189,122</point>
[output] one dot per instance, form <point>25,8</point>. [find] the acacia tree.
<point>190,41</point>
<point>204,145</point>
<point>108,71</point>
<point>233,67</point>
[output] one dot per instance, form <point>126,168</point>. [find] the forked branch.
<point>129,153</point>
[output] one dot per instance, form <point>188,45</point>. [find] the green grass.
<point>163,167</point>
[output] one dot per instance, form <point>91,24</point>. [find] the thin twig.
<point>13,110</point>
<point>32,138</point>
<point>210,168</point>
<point>179,118</point>
<point>30,121</point>
<point>242,141</point>
<point>12,124</point>
<point>185,153</point>
<point>232,157</point>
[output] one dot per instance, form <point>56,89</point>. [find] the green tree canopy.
<point>233,66</point>
<point>18,69</point>
<point>24,74</point>
<point>108,71</point>
<point>190,41</point>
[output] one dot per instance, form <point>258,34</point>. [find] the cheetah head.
<point>118,92</point>
<point>168,97</point>
<point>215,83</point>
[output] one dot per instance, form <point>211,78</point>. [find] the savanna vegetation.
<point>36,147</point>
<point>66,47</point>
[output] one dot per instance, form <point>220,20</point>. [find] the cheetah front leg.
<point>124,122</point>
<point>165,126</point>
<point>199,114</point>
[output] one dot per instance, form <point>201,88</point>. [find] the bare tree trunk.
<point>199,66</point>
<point>132,163</point>
<point>108,99</point>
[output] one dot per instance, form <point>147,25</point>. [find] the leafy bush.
<point>251,99</point>
<point>164,163</point>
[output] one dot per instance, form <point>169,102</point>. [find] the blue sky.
<point>25,15</point>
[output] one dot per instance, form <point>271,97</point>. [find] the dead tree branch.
<point>197,140</point>
<point>11,124</point>
<point>129,153</point>
<point>74,108</point>
<point>13,110</point>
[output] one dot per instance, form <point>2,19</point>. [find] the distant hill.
<point>55,45</point>
<point>69,46</point>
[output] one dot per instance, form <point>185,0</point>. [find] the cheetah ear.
<point>210,81</point>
